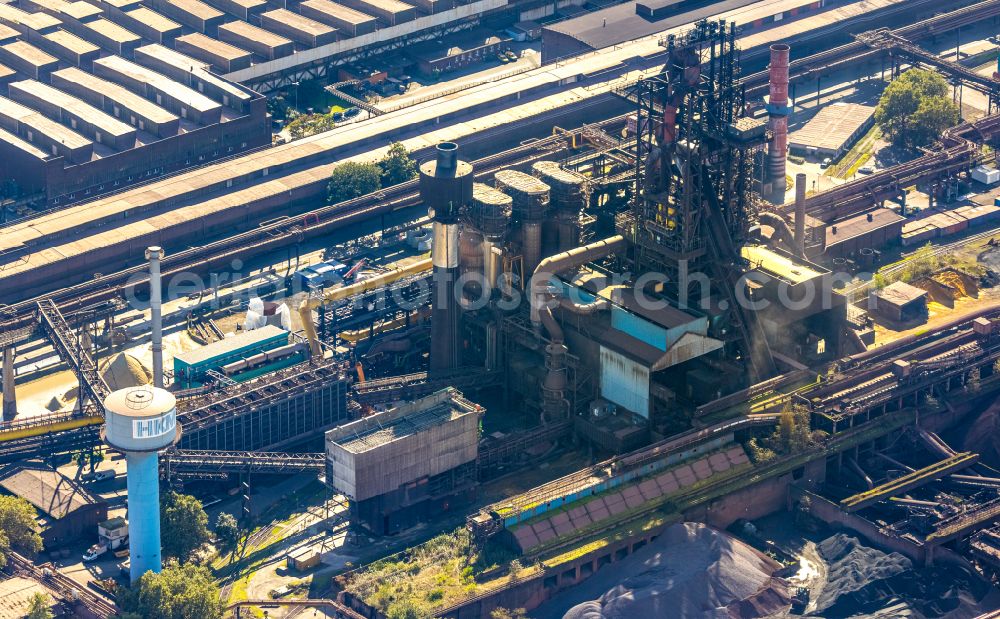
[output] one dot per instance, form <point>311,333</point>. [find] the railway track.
<point>65,587</point>
<point>961,152</point>
<point>856,51</point>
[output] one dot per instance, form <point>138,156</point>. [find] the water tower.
<point>139,422</point>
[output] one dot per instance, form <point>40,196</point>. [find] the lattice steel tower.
<point>696,151</point>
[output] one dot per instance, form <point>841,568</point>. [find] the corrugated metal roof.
<point>48,490</point>
<point>900,293</point>
<point>620,23</point>
<point>230,345</point>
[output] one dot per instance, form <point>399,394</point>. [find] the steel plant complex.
<point>401,309</point>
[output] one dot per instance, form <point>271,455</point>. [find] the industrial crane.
<point>340,293</point>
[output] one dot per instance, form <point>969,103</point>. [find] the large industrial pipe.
<point>9,397</point>
<point>154,254</point>
<point>778,110</point>
<point>800,214</point>
<point>554,405</point>
<point>575,257</point>
<point>345,292</point>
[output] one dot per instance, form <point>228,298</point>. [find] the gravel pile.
<point>983,436</point>
<point>852,567</point>
<point>691,570</point>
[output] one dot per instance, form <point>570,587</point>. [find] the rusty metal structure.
<point>693,202</point>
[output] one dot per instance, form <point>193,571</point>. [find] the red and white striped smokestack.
<point>778,109</point>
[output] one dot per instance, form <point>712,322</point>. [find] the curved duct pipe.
<point>554,404</point>
<point>575,257</point>
<point>782,233</point>
<point>366,285</point>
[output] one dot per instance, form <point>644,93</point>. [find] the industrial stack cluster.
<point>482,231</point>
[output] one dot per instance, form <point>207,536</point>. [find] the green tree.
<point>227,529</point>
<point>508,613</point>
<point>183,524</point>
<point>915,108</point>
<point>933,116</point>
<point>351,180</point>
<point>18,529</point>
<point>38,607</point>
<point>178,592</point>
<point>397,165</point>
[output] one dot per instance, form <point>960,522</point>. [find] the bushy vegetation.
<point>426,578</point>
<point>793,435</point>
<point>18,529</point>
<point>184,525</point>
<point>178,592</point>
<point>352,179</point>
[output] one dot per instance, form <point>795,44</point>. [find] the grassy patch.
<point>859,155</point>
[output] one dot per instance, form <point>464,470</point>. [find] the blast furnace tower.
<point>139,422</point>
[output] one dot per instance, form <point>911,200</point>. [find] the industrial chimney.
<point>139,422</point>
<point>9,399</point>
<point>777,108</point>
<point>445,187</point>
<point>153,254</point>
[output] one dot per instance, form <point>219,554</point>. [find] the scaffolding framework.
<point>693,204</point>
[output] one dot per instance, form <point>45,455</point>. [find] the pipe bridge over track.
<point>850,54</point>
<point>409,386</point>
<point>885,39</point>
<point>192,462</point>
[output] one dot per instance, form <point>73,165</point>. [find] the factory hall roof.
<point>783,266</point>
<point>861,224</point>
<point>48,490</point>
<point>229,344</point>
<point>621,23</point>
<point>900,293</point>
<point>832,127</point>
<point>405,420</point>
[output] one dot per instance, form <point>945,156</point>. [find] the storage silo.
<point>139,422</point>
<point>530,202</point>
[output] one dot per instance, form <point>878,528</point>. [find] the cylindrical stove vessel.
<point>446,188</point>
<point>567,198</point>
<point>778,109</point>
<point>491,264</point>
<point>490,212</point>
<point>529,204</point>
<point>139,422</point>
<point>470,253</point>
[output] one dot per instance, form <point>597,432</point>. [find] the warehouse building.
<point>832,131</point>
<point>873,230</point>
<point>899,302</point>
<point>68,513</point>
<point>103,121</point>
<point>407,464</point>
<point>479,46</point>
<point>263,350</point>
